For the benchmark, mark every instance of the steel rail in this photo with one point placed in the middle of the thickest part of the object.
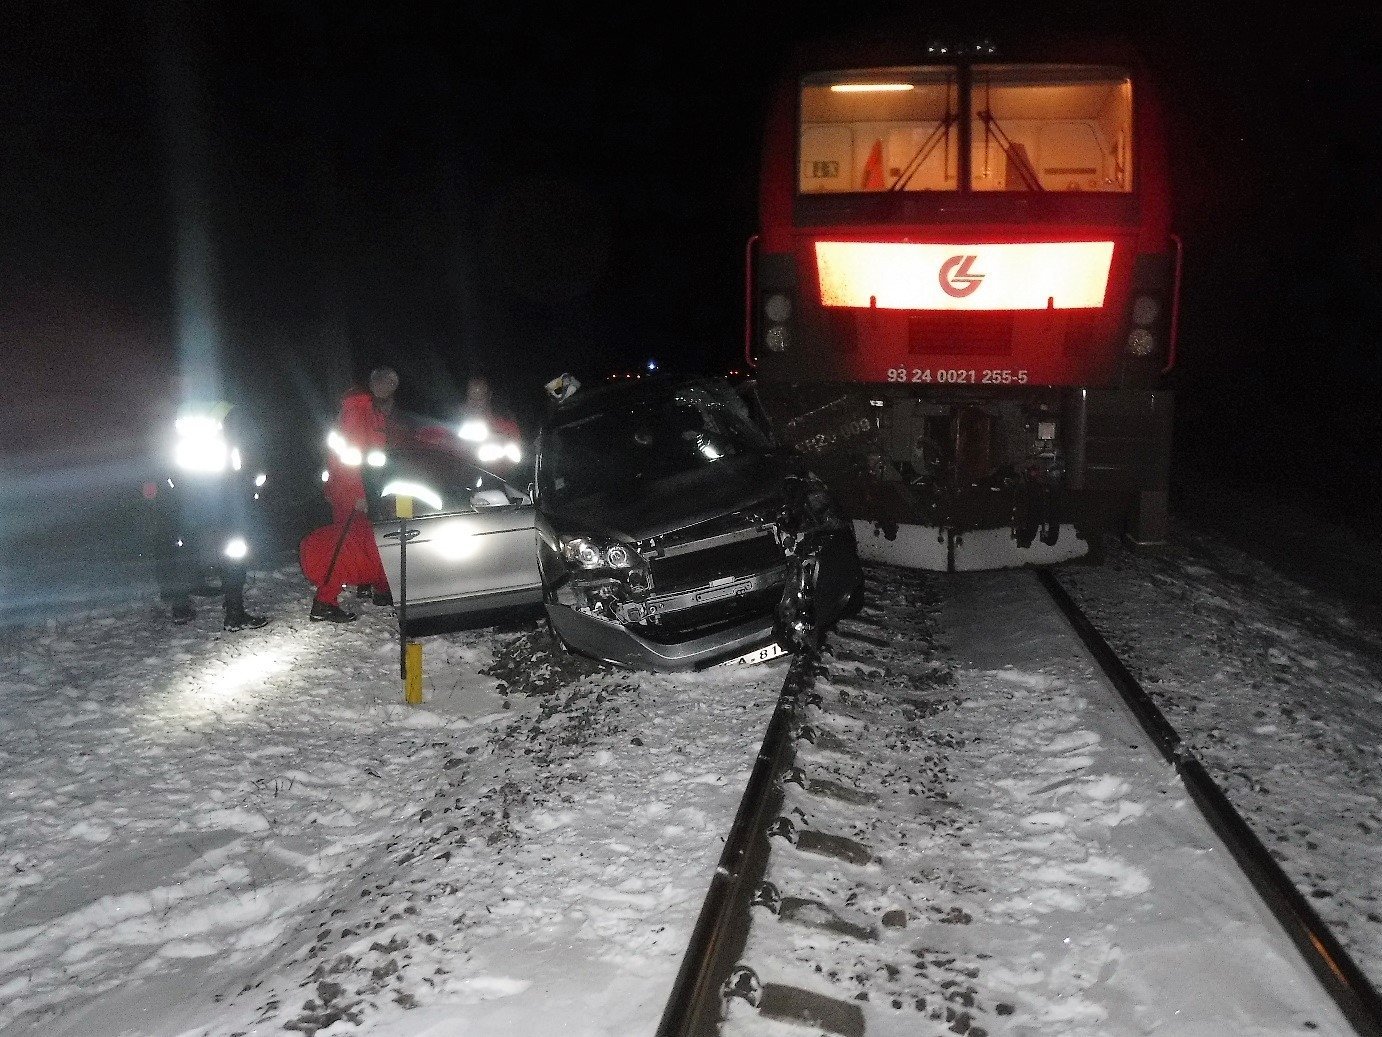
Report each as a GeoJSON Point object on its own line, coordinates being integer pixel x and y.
{"type": "Point", "coordinates": [693, 1008]}
{"type": "Point", "coordinates": [1332, 965]}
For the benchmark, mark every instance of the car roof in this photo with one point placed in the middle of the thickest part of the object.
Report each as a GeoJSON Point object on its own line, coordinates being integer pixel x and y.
{"type": "Point", "coordinates": [586, 402]}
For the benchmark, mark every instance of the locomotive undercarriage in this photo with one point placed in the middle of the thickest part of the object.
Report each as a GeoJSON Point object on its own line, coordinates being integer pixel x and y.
{"type": "Point", "coordinates": [1050, 467]}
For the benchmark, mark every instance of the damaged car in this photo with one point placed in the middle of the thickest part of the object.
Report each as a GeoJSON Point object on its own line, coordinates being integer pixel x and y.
{"type": "Point", "coordinates": [672, 534]}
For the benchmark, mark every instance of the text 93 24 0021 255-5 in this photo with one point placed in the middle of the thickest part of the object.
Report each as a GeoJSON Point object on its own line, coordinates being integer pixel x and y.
{"type": "Point", "coordinates": [957, 376]}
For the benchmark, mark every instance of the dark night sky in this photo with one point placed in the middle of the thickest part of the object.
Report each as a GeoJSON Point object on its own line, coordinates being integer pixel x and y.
{"type": "Point", "coordinates": [550, 186]}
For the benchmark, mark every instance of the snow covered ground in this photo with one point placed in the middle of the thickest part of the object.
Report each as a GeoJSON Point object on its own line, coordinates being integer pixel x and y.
{"type": "Point", "coordinates": [207, 834]}
{"type": "Point", "coordinates": [1024, 862]}
{"type": "Point", "coordinates": [1278, 690]}
{"type": "Point", "coordinates": [215, 834]}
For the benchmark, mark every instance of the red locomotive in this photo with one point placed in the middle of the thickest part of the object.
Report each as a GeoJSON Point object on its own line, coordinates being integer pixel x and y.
{"type": "Point", "coordinates": [963, 297]}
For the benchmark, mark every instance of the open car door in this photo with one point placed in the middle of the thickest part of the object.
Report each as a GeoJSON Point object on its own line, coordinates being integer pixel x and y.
{"type": "Point", "coordinates": [472, 545]}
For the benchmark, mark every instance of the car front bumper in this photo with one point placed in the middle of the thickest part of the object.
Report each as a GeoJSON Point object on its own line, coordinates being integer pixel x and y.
{"type": "Point", "coordinates": [616, 643]}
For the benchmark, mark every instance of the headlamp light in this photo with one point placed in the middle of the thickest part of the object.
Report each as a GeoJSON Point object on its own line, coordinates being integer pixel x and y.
{"type": "Point", "coordinates": [200, 446]}
{"type": "Point", "coordinates": [489, 452]}
{"type": "Point", "coordinates": [474, 431]}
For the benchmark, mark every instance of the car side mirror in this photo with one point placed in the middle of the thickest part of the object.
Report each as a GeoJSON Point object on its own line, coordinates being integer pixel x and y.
{"type": "Point", "coordinates": [489, 499]}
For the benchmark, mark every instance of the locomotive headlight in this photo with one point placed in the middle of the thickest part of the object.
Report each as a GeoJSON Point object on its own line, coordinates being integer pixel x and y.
{"type": "Point", "coordinates": [236, 548]}
{"type": "Point", "coordinates": [1145, 310]}
{"type": "Point", "coordinates": [777, 338]}
{"type": "Point", "coordinates": [1141, 342]}
{"type": "Point", "coordinates": [778, 308]}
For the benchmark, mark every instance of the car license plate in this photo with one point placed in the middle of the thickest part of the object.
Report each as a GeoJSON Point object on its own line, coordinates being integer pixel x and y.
{"type": "Point", "coordinates": [758, 655]}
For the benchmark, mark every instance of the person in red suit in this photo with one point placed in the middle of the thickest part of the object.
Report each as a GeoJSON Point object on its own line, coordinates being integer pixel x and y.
{"type": "Point", "coordinates": [359, 442]}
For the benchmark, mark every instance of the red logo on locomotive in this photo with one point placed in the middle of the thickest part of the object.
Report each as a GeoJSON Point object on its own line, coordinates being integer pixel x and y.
{"type": "Point", "coordinates": [959, 284]}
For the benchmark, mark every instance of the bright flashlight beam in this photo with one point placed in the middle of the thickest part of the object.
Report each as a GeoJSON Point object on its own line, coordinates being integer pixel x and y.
{"type": "Point", "coordinates": [188, 155]}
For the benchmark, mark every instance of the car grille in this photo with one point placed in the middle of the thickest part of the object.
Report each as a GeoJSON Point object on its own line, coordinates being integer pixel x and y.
{"type": "Point", "coordinates": [697, 568]}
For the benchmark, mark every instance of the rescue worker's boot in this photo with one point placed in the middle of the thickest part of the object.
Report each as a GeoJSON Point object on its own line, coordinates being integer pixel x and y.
{"type": "Point", "coordinates": [322, 612]}
{"type": "Point", "coordinates": [181, 612]}
{"type": "Point", "coordinates": [239, 619]}
{"type": "Point", "coordinates": [383, 598]}
{"type": "Point", "coordinates": [236, 616]}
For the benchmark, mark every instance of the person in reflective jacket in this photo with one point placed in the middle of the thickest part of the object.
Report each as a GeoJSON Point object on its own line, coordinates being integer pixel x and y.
{"type": "Point", "coordinates": [358, 448]}
{"type": "Point", "coordinates": [488, 436]}
{"type": "Point", "coordinates": [199, 500]}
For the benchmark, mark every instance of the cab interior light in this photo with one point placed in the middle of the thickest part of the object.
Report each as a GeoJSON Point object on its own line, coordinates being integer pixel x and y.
{"type": "Point", "coordinates": [870, 88]}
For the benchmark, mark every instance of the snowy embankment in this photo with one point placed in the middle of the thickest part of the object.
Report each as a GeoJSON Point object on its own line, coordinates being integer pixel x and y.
{"type": "Point", "coordinates": [1279, 692]}
{"type": "Point", "coordinates": [213, 834]}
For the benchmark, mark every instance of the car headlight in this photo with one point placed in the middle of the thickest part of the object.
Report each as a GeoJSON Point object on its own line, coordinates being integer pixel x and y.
{"type": "Point", "coordinates": [588, 552]}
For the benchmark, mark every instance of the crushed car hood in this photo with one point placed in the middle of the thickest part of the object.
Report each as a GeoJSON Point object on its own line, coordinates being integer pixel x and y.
{"type": "Point", "coordinates": [680, 501]}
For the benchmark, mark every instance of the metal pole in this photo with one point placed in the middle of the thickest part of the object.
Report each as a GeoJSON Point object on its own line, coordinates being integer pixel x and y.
{"type": "Point", "coordinates": [403, 598]}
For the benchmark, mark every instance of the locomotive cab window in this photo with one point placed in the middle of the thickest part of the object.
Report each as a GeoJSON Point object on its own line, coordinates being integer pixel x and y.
{"type": "Point", "coordinates": [1050, 128]}
{"type": "Point", "coordinates": [1062, 128]}
{"type": "Point", "coordinates": [880, 130]}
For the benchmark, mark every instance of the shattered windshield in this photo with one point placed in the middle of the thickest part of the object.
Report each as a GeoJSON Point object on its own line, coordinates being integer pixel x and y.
{"type": "Point", "coordinates": [638, 440]}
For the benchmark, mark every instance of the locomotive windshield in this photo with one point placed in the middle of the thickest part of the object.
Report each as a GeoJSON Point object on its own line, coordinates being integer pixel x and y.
{"type": "Point", "coordinates": [1065, 128]}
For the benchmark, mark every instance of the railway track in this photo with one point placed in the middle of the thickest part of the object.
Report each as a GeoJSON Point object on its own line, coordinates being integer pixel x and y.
{"type": "Point", "coordinates": [935, 839]}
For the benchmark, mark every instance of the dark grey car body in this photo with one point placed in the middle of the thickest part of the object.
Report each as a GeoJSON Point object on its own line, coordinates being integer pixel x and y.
{"type": "Point", "coordinates": [726, 543]}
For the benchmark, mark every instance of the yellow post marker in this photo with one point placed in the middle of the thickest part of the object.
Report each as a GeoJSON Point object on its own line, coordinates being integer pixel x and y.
{"type": "Point", "coordinates": [412, 679]}
{"type": "Point", "coordinates": [409, 652]}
